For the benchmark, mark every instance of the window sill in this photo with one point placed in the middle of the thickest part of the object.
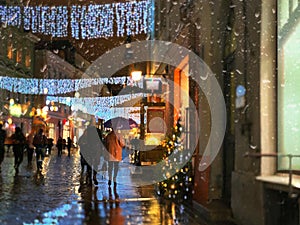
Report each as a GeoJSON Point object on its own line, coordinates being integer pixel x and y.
{"type": "Point", "coordinates": [280, 180]}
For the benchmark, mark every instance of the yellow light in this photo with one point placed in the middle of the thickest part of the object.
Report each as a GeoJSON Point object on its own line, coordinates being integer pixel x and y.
{"type": "Point", "coordinates": [15, 110]}
{"type": "Point", "coordinates": [11, 101]}
{"type": "Point", "coordinates": [136, 75]}
{"type": "Point", "coordinates": [172, 186]}
{"type": "Point", "coordinates": [9, 121]}
{"type": "Point", "coordinates": [77, 94]}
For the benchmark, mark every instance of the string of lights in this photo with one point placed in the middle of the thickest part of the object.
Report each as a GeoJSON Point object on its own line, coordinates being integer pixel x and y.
{"type": "Point", "coordinates": [36, 86]}
{"type": "Point", "coordinates": [94, 105]}
{"type": "Point", "coordinates": [86, 21]}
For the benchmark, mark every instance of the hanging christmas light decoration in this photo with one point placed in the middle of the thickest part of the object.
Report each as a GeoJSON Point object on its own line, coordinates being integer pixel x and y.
{"type": "Point", "coordinates": [102, 107]}
{"type": "Point", "coordinates": [57, 86]}
{"type": "Point", "coordinates": [87, 22]}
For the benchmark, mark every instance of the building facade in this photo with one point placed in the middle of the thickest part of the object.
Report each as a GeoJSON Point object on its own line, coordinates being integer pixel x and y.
{"type": "Point", "coordinates": [251, 47]}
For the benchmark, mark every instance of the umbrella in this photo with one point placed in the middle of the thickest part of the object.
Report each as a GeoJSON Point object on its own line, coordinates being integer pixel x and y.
{"type": "Point", "coordinates": [120, 123]}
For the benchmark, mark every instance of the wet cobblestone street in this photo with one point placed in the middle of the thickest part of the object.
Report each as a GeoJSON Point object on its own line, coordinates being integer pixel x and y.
{"type": "Point", "coordinates": [62, 196]}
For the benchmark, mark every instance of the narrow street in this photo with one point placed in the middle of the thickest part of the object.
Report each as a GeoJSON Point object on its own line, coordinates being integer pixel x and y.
{"type": "Point", "coordinates": [62, 196]}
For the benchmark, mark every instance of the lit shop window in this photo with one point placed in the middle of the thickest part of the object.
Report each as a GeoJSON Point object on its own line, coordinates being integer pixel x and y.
{"type": "Point", "coordinates": [288, 84]}
{"type": "Point", "coordinates": [19, 56]}
{"type": "Point", "coordinates": [9, 50]}
{"type": "Point", "coordinates": [27, 59]}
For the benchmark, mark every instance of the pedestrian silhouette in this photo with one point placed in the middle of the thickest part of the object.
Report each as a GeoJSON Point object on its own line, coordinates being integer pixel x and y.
{"type": "Point", "coordinates": [114, 144]}
{"type": "Point", "coordinates": [19, 141]}
{"type": "Point", "coordinates": [40, 143]}
{"type": "Point", "coordinates": [69, 145]}
{"type": "Point", "coordinates": [59, 145]}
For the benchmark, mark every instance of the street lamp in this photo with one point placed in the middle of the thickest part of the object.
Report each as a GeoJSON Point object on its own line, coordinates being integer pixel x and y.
{"type": "Point", "coordinates": [136, 76]}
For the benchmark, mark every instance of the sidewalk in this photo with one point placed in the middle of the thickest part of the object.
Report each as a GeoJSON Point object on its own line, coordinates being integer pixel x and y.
{"type": "Point", "coordinates": [61, 196]}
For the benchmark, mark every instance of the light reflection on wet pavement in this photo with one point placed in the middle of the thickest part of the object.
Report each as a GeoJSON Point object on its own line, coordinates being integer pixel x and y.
{"type": "Point", "coordinates": [62, 196]}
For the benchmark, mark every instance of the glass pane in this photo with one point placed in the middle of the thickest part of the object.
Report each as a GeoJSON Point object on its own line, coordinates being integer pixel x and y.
{"type": "Point", "coordinates": [289, 100]}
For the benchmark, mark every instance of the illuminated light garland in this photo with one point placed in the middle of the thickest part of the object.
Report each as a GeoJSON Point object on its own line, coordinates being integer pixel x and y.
{"type": "Point", "coordinates": [86, 22]}
{"type": "Point", "coordinates": [94, 105]}
{"type": "Point", "coordinates": [58, 86]}
{"type": "Point", "coordinates": [10, 15]}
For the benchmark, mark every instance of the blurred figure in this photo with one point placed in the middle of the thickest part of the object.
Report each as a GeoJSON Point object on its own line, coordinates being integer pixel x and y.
{"type": "Point", "coordinates": [82, 142]}
{"type": "Point", "coordinates": [114, 143]}
{"type": "Point", "coordinates": [50, 144]}
{"type": "Point", "coordinates": [59, 145]}
{"type": "Point", "coordinates": [135, 144]}
{"type": "Point", "coordinates": [30, 148]}
{"type": "Point", "coordinates": [90, 153]}
{"type": "Point", "coordinates": [69, 145]}
{"type": "Point", "coordinates": [40, 142]}
{"type": "Point", "coordinates": [19, 141]}
{"type": "Point", "coordinates": [2, 142]}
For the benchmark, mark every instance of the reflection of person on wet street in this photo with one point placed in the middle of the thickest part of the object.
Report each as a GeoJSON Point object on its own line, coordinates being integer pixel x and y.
{"type": "Point", "coordinates": [19, 141]}
{"type": "Point", "coordinates": [40, 142]}
{"type": "Point", "coordinates": [90, 203]}
{"type": "Point", "coordinates": [2, 140]}
{"type": "Point", "coordinates": [114, 144]}
{"type": "Point", "coordinates": [115, 213]}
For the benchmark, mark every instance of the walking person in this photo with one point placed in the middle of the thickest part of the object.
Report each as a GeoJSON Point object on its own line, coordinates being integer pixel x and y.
{"type": "Point", "coordinates": [30, 148]}
{"type": "Point", "coordinates": [2, 141]}
{"type": "Point", "coordinates": [40, 143]}
{"type": "Point", "coordinates": [69, 145]}
{"type": "Point", "coordinates": [82, 142]}
{"type": "Point", "coordinates": [59, 145]}
{"type": "Point", "coordinates": [19, 141]}
{"type": "Point", "coordinates": [114, 144]}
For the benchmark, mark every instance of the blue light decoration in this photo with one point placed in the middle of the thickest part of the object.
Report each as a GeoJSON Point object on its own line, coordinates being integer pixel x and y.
{"type": "Point", "coordinates": [94, 105]}
{"type": "Point", "coordinates": [10, 15]}
{"type": "Point", "coordinates": [240, 91]}
{"type": "Point", "coordinates": [92, 21]}
{"type": "Point", "coordinates": [86, 22]}
{"type": "Point", "coordinates": [57, 86]}
{"type": "Point", "coordinates": [46, 20]}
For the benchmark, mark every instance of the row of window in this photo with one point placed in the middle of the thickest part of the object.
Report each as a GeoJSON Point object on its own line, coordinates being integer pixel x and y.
{"type": "Point", "coordinates": [15, 47]}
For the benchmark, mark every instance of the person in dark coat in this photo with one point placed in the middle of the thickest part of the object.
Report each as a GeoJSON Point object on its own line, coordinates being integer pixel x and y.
{"type": "Point", "coordinates": [59, 145]}
{"type": "Point", "coordinates": [19, 141]}
{"type": "Point", "coordinates": [40, 142]}
{"type": "Point", "coordinates": [69, 145]}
